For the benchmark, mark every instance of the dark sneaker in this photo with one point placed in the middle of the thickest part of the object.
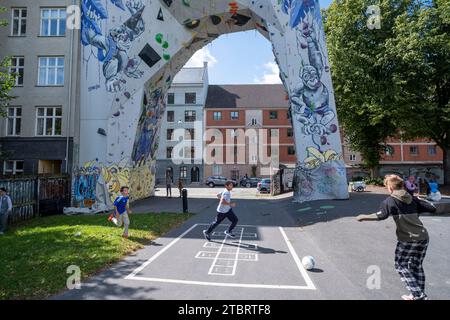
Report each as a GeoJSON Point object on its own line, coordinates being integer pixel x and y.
{"type": "Point", "coordinates": [228, 234]}
{"type": "Point", "coordinates": [206, 235]}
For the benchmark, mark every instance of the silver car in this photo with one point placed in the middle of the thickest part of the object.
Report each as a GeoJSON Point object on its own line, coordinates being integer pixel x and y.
{"type": "Point", "coordinates": [213, 181]}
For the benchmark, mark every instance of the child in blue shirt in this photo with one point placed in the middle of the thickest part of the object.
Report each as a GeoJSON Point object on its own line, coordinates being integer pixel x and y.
{"type": "Point", "coordinates": [121, 211]}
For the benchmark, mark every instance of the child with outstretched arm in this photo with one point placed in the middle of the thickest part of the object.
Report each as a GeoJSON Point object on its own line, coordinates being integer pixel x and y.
{"type": "Point", "coordinates": [412, 236]}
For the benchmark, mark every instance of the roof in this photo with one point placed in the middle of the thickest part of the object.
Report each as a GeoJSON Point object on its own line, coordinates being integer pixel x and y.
{"type": "Point", "coordinates": [189, 75]}
{"type": "Point", "coordinates": [247, 96]}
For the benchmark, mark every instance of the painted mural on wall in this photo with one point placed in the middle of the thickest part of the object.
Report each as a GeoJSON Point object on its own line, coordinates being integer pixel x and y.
{"type": "Point", "coordinates": [132, 49]}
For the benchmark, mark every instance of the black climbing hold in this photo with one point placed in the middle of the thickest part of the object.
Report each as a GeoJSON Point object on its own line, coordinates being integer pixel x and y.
{"type": "Point", "coordinates": [216, 20]}
{"type": "Point", "coordinates": [149, 55]}
{"type": "Point", "coordinates": [101, 131]}
{"type": "Point", "coordinates": [160, 15]}
{"type": "Point", "coordinates": [168, 2]}
{"type": "Point", "coordinates": [240, 20]}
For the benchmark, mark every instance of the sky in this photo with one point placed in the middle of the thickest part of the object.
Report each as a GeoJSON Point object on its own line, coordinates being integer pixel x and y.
{"type": "Point", "coordinates": [240, 58]}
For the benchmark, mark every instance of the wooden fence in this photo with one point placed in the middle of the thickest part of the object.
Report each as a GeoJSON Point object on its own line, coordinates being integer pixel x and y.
{"type": "Point", "coordinates": [37, 196]}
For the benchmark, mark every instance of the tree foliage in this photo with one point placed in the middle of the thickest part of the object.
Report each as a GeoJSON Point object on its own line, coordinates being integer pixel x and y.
{"type": "Point", "coordinates": [392, 80]}
{"type": "Point", "coordinates": [6, 79]}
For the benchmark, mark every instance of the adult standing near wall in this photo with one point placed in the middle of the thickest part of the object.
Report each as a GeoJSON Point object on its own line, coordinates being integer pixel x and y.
{"type": "Point", "coordinates": [180, 186]}
{"type": "Point", "coordinates": [168, 185]}
{"type": "Point", "coordinates": [5, 209]}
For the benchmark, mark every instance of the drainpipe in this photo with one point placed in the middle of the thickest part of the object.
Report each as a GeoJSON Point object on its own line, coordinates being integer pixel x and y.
{"type": "Point", "coordinates": [70, 94]}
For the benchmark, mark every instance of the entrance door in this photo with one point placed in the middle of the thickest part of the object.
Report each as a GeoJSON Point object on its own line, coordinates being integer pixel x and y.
{"type": "Point", "coordinates": [195, 174]}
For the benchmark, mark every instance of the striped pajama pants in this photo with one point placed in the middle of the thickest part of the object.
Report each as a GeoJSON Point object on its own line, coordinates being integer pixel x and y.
{"type": "Point", "coordinates": [409, 257]}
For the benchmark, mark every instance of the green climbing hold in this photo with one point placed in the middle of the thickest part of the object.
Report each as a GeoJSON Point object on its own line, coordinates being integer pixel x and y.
{"type": "Point", "coordinates": [165, 45]}
{"type": "Point", "coordinates": [187, 3]}
{"type": "Point", "coordinates": [304, 209]}
{"type": "Point", "coordinates": [159, 37]}
{"type": "Point", "coordinates": [327, 207]}
{"type": "Point", "coordinates": [166, 56]}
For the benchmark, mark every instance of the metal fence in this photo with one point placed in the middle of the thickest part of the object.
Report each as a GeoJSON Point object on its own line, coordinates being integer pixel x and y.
{"type": "Point", "coordinates": [37, 196]}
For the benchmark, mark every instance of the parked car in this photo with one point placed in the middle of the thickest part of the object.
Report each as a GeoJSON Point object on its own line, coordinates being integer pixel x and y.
{"type": "Point", "coordinates": [358, 186]}
{"type": "Point", "coordinates": [249, 182]}
{"type": "Point", "coordinates": [213, 181]}
{"type": "Point", "coordinates": [264, 185]}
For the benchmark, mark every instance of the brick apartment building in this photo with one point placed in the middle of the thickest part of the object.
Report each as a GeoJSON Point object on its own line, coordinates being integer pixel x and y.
{"type": "Point", "coordinates": [421, 158]}
{"type": "Point", "coordinates": [247, 116]}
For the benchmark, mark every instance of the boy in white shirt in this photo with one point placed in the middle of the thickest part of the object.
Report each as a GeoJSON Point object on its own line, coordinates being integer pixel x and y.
{"type": "Point", "coordinates": [224, 210]}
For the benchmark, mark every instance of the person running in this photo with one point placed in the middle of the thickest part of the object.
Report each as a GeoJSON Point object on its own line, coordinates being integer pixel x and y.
{"type": "Point", "coordinates": [168, 186]}
{"type": "Point", "coordinates": [224, 210]}
{"type": "Point", "coordinates": [121, 211]}
{"type": "Point", "coordinates": [5, 209]}
{"type": "Point", "coordinates": [412, 236]}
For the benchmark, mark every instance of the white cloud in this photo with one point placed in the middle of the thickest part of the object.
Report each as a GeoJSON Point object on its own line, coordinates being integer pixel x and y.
{"type": "Point", "coordinates": [271, 74]}
{"type": "Point", "coordinates": [201, 55]}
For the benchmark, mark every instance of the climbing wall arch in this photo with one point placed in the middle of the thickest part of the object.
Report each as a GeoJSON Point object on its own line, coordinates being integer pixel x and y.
{"type": "Point", "coordinates": [131, 51]}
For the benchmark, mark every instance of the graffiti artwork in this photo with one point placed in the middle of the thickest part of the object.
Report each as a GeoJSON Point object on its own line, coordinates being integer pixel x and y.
{"type": "Point", "coordinates": [113, 47]}
{"type": "Point", "coordinates": [139, 46]}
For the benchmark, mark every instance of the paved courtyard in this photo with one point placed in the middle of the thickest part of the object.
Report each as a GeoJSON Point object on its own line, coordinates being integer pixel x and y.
{"type": "Point", "coordinates": [263, 261]}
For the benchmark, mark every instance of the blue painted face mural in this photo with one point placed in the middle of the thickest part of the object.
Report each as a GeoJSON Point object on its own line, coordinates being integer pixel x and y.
{"type": "Point", "coordinates": [112, 49]}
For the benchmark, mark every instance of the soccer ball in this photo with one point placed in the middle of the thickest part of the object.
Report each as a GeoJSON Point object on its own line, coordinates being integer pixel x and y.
{"type": "Point", "coordinates": [308, 262]}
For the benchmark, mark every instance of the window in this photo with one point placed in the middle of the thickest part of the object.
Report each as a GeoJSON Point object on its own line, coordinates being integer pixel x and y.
{"type": "Point", "coordinates": [183, 172]}
{"type": "Point", "coordinates": [189, 134]}
{"type": "Point", "coordinates": [53, 22]}
{"type": "Point", "coordinates": [273, 132]}
{"type": "Point", "coordinates": [170, 116]}
{"type": "Point", "coordinates": [190, 98]}
{"type": "Point", "coordinates": [51, 71]}
{"type": "Point", "coordinates": [254, 122]}
{"type": "Point", "coordinates": [14, 122]}
{"type": "Point", "coordinates": [16, 69]}
{"type": "Point", "coordinates": [217, 115]}
{"type": "Point", "coordinates": [352, 157]}
{"type": "Point", "coordinates": [288, 114]}
{"type": "Point", "coordinates": [171, 98]}
{"type": "Point", "coordinates": [234, 115]}
{"type": "Point", "coordinates": [189, 116]}
{"type": "Point", "coordinates": [13, 167]}
{"type": "Point", "coordinates": [273, 115]}
{"type": "Point", "coordinates": [432, 150]}
{"type": "Point", "coordinates": [291, 150]}
{"type": "Point", "coordinates": [169, 151]}
{"type": "Point", "coordinates": [189, 152]}
{"type": "Point", "coordinates": [48, 121]}
{"type": "Point", "coordinates": [217, 170]}
{"type": "Point", "coordinates": [413, 150]}
{"type": "Point", "coordinates": [19, 22]}
{"type": "Point", "coordinates": [290, 132]}
{"type": "Point", "coordinates": [169, 134]}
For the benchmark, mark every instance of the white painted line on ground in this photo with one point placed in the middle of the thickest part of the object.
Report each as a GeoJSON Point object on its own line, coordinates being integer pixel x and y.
{"type": "Point", "coordinates": [222, 284]}
{"type": "Point", "coordinates": [213, 245]}
{"type": "Point", "coordinates": [237, 252]}
{"type": "Point", "coordinates": [244, 235]}
{"type": "Point", "coordinates": [242, 256]}
{"type": "Point", "coordinates": [139, 269]}
{"type": "Point", "coordinates": [299, 264]}
{"type": "Point", "coordinates": [217, 256]}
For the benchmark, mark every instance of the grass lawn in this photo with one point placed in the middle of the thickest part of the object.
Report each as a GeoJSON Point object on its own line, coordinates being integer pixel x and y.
{"type": "Point", "coordinates": [34, 255]}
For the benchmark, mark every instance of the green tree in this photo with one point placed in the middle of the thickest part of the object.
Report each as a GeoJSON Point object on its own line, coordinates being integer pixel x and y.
{"type": "Point", "coordinates": [421, 51]}
{"type": "Point", "coordinates": [362, 80]}
{"type": "Point", "coordinates": [6, 79]}
{"type": "Point", "coordinates": [394, 79]}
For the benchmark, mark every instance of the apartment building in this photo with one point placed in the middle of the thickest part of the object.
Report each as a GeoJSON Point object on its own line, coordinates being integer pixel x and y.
{"type": "Point", "coordinates": [247, 127]}
{"type": "Point", "coordinates": [180, 147]}
{"type": "Point", "coordinates": [421, 158]}
{"type": "Point", "coordinates": [37, 135]}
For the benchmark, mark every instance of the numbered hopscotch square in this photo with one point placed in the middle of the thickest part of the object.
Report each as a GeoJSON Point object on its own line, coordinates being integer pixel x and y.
{"type": "Point", "coordinates": [222, 271]}
{"type": "Point", "coordinates": [224, 263]}
{"type": "Point", "coordinates": [245, 235]}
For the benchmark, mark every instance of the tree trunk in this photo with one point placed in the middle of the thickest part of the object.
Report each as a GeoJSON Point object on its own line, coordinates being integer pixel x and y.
{"type": "Point", "coordinates": [446, 165]}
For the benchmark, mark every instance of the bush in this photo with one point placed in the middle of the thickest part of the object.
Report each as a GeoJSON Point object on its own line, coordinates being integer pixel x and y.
{"type": "Point", "coordinates": [377, 181]}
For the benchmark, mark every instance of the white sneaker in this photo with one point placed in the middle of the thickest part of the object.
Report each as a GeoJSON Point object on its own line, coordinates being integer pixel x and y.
{"type": "Point", "coordinates": [229, 234]}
